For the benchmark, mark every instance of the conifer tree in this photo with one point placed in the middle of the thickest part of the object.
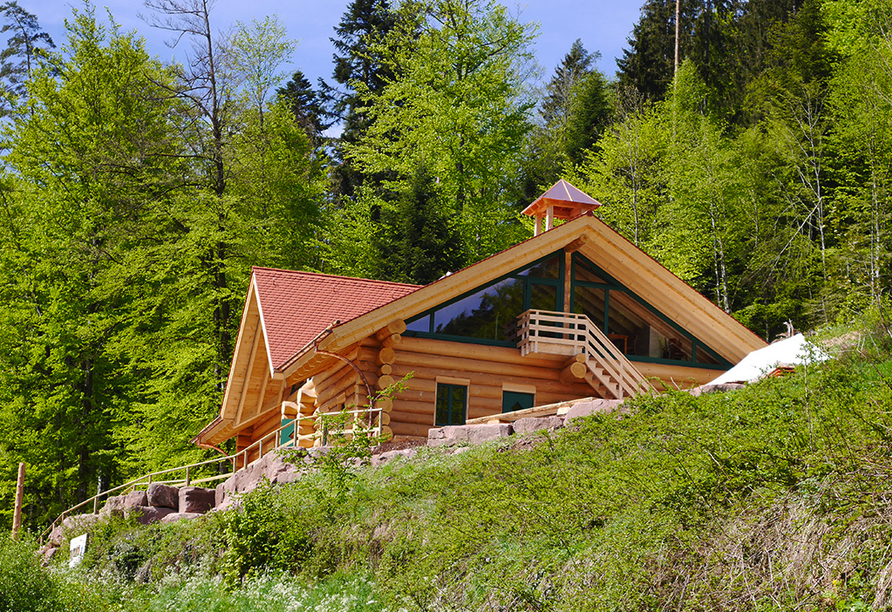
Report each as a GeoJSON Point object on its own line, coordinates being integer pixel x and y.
{"type": "Point", "coordinates": [25, 46]}
{"type": "Point", "coordinates": [359, 63]}
{"type": "Point", "coordinates": [306, 105]}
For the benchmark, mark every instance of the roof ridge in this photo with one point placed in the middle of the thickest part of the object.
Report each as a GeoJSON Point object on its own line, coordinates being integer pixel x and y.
{"type": "Point", "coordinates": [340, 276]}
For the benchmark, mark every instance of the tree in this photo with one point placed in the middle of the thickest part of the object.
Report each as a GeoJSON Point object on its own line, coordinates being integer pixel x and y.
{"type": "Point", "coordinates": [559, 91]}
{"type": "Point", "coordinates": [86, 201]}
{"type": "Point", "coordinates": [590, 112]}
{"type": "Point", "coordinates": [626, 170]}
{"type": "Point", "coordinates": [792, 94]}
{"type": "Point", "coordinates": [575, 110]}
{"type": "Point", "coordinates": [306, 105]}
{"type": "Point", "coordinates": [859, 106]}
{"type": "Point", "coordinates": [257, 51]}
{"type": "Point", "coordinates": [454, 106]}
{"type": "Point", "coordinates": [202, 87]}
{"type": "Point", "coordinates": [23, 49]}
{"type": "Point", "coordinates": [417, 241]}
{"type": "Point", "coordinates": [358, 64]}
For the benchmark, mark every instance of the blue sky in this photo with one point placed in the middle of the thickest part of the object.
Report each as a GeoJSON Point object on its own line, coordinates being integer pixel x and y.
{"type": "Point", "coordinates": [603, 25]}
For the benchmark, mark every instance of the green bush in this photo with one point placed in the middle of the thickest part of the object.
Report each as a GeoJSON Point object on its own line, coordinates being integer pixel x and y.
{"type": "Point", "coordinates": [26, 586]}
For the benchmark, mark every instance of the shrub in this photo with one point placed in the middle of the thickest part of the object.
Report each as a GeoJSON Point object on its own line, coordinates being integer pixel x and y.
{"type": "Point", "coordinates": [26, 586]}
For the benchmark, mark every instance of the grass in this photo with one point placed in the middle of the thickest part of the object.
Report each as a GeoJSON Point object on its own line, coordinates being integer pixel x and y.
{"type": "Point", "coordinates": [772, 497]}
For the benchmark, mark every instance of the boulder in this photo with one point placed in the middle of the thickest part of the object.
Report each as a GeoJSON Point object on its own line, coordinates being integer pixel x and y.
{"type": "Point", "coordinates": [80, 523]}
{"type": "Point", "coordinates": [114, 506]}
{"type": "Point", "coordinates": [533, 424]}
{"type": "Point", "coordinates": [163, 496]}
{"type": "Point", "coordinates": [71, 526]}
{"type": "Point", "coordinates": [135, 499]}
{"type": "Point", "coordinates": [316, 453]}
{"type": "Point", "coordinates": [150, 514]}
{"type": "Point", "coordinates": [385, 457]}
{"type": "Point", "coordinates": [272, 467]}
{"type": "Point", "coordinates": [56, 536]}
{"type": "Point", "coordinates": [467, 434]}
{"type": "Point", "coordinates": [584, 409]}
{"type": "Point", "coordinates": [49, 553]}
{"type": "Point", "coordinates": [196, 500]}
{"type": "Point", "coordinates": [719, 388]}
{"type": "Point", "coordinates": [179, 516]}
{"type": "Point", "coordinates": [478, 434]}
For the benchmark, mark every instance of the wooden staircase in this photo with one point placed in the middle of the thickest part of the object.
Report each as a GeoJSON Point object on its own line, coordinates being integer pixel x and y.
{"type": "Point", "coordinates": [591, 355]}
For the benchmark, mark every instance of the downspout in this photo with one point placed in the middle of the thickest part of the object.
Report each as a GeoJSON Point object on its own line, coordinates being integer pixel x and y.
{"type": "Point", "coordinates": [362, 375]}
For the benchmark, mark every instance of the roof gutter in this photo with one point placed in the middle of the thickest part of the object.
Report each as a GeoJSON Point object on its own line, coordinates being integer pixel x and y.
{"type": "Point", "coordinates": [312, 347]}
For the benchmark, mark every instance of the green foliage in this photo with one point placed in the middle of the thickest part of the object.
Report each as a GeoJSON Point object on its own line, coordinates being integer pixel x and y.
{"type": "Point", "coordinates": [264, 534]}
{"type": "Point", "coordinates": [416, 240]}
{"type": "Point", "coordinates": [454, 107]}
{"type": "Point", "coordinates": [25, 586]}
{"type": "Point", "coordinates": [273, 592]}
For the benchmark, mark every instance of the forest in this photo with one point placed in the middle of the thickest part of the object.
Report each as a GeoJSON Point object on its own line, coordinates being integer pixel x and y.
{"type": "Point", "coordinates": [136, 195]}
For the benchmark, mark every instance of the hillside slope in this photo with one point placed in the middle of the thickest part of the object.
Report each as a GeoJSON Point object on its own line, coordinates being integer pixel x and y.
{"type": "Point", "coordinates": [775, 496]}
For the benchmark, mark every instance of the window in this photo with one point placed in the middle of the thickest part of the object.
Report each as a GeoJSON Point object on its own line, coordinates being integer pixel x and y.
{"type": "Point", "coordinates": [489, 314]}
{"type": "Point", "coordinates": [288, 433]}
{"type": "Point", "coordinates": [452, 404]}
{"type": "Point", "coordinates": [635, 327]}
{"type": "Point", "coordinates": [512, 401]}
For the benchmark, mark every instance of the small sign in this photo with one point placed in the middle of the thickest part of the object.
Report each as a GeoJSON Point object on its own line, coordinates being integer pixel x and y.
{"type": "Point", "coordinates": [78, 547]}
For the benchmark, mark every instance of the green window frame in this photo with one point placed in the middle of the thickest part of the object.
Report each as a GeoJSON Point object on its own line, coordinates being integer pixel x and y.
{"type": "Point", "coordinates": [609, 285]}
{"type": "Point", "coordinates": [452, 404]}
{"type": "Point", "coordinates": [513, 401]}
{"type": "Point", "coordinates": [425, 324]}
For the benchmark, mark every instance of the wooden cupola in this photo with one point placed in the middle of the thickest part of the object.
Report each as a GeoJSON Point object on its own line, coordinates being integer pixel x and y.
{"type": "Point", "coordinates": [562, 201]}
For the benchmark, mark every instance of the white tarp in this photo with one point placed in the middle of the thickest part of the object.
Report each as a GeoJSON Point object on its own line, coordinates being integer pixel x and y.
{"type": "Point", "coordinates": [792, 351]}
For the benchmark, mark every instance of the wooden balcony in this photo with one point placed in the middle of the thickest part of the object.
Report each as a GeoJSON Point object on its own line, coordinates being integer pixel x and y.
{"type": "Point", "coordinates": [591, 354]}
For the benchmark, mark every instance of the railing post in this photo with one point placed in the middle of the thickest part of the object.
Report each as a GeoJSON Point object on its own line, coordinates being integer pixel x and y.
{"type": "Point", "coordinates": [19, 497]}
{"type": "Point", "coordinates": [261, 448]}
{"type": "Point", "coordinates": [188, 480]}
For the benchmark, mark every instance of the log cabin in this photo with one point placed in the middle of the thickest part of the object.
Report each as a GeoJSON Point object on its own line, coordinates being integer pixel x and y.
{"type": "Point", "coordinates": [575, 311]}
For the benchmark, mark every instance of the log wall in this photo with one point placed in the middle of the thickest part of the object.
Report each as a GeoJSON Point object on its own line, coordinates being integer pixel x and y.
{"type": "Point", "coordinates": [486, 368]}
{"type": "Point", "coordinates": [411, 413]}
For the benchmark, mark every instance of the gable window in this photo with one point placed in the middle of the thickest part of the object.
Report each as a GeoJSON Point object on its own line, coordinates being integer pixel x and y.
{"type": "Point", "coordinates": [489, 314]}
{"type": "Point", "coordinates": [452, 404]}
{"type": "Point", "coordinates": [635, 327]}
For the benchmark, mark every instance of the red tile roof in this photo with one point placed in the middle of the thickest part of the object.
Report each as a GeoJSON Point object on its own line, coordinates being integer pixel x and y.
{"type": "Point", "coordinates": [298, 306]}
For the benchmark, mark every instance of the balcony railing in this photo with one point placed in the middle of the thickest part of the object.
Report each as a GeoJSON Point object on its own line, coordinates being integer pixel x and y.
{"type": "Point", "coordinates": [564, 333]}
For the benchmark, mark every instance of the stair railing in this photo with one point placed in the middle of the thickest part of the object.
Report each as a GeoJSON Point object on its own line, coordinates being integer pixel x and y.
{"type": "Point", "coordinates": [564, 333]}
{"type": "Point", "coordinates": [245, 457]}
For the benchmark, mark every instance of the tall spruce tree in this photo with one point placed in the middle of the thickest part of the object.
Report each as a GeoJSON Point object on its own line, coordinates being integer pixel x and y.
{"type": "Point", "coordinates": [306, 105]}
{"type": "Point", "coordinates": [359, 64]}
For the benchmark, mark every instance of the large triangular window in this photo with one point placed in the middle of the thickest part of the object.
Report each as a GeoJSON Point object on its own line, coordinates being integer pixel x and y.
{"type": "Point", "coordinates": [489, 314]}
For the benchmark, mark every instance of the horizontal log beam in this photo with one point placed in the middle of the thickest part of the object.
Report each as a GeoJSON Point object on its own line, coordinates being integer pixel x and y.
{"type": "Point", "coordinates": [396, 327]}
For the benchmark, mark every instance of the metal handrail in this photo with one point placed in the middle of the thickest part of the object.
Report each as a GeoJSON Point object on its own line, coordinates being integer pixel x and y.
{"type": "Point", "coordinates": [244, 453]}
